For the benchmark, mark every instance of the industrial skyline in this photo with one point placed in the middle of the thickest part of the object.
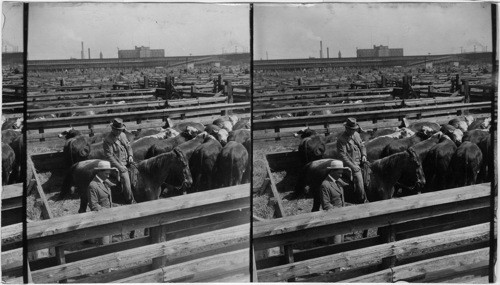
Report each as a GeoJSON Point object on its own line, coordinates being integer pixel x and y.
{"type": "Point", "coordinates": [295, 30]}
{"type": "Point", "coordinates": [56, 30]}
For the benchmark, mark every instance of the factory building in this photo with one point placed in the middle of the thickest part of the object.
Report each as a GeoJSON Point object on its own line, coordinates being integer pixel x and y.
{"type": "Point", "coordinates": [141, 52]}
{"type": "Point", "coordinates": [379, 51]}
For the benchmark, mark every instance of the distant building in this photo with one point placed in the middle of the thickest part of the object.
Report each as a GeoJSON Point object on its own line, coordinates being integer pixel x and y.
{"type": "Point", "coordinates": [141, 52]}
{"type": "Point", "coordinates": [379, 51]}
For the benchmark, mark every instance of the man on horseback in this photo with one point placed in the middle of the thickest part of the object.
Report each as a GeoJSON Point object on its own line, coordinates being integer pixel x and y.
{"type": "Point", "coordinates": [118, 151]}
{"type": "Point", "coordinates": [352, 152]}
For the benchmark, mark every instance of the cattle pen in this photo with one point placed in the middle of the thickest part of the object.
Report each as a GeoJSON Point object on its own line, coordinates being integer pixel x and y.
{"type": "Point", "coordinates": [201, 237]}
{"type": "Point", "coordinates": [434, 237]}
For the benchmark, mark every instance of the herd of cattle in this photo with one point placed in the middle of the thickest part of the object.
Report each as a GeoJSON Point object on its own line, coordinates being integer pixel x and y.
{"type": "Point", "coordinates": [183, 158]}
{"type": "Point", "coordinates": [414, 158]}
{"type": "Point", "coordinates": [12, 150]}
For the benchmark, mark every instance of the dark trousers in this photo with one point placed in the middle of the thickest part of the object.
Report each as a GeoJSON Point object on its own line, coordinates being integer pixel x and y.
{"type": "Point", "coordinates": [126, 187]}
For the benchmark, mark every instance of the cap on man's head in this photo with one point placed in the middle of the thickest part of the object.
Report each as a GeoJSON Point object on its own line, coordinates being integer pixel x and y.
{"type": "Point", "coordinates": [118, 124]}
{"type": "Point", "coordinates": [336, 164]}
{"type": "Point", "coordinates": [103, 165]}
{"type": "Point", "coordinates": [351, 124]}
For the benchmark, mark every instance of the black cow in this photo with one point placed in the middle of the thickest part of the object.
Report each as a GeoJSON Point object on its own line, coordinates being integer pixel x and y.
{"type": "Point", "coordinates": [231, 164]}
{"type": "Point", "coordinates": [465, 165]}
{"type": "Point", "coordinates": [76, 148]}
{"type": "Point", "coordinates": [436, 165]}
{"type": "Point", "coordinates": [203, 164]}
{"type": "Point", "coordinates": [8, 160]}
{"type": "Point", "coordinates": [312, 145]}
{"type": "Point", "coordinates": [483, 140]}
{"type": "Point", "coordinates": [242, 136]}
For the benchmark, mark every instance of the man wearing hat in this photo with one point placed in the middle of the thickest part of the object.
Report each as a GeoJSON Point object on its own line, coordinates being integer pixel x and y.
{"type": "Point", "coordinates": [119, 153]}
{"type": "Point", "coordinates": [352, 152]}
{"type": "Point", "coordinates": [98, 192]}
{"type": "Point", "coordinates": [332, 190]}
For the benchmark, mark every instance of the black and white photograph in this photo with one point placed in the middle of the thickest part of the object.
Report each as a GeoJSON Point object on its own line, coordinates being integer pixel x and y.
{"type": "Point", "coordinates": [138, 142]}
{"type": "Point", "coordinates": [372, 142]}
{"type": "Point", "coordinates": [12, 142]}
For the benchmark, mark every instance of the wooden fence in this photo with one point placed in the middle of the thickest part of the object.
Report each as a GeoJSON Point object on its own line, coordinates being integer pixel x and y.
{"type": "Point", "coordinates": [12, 218]}
{"type": "Point", "coordinates": [434, 236]}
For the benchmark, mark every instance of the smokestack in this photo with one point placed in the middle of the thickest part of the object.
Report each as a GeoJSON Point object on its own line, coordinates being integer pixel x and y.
{"type": "Point", "coordinates": [83, 56]}
{"type": "Point", "coordinates": [320, 49]}
{"type": "Point", "coordinates": [327, 52]}
{"type": "Point", "coordinates": [89, 53]}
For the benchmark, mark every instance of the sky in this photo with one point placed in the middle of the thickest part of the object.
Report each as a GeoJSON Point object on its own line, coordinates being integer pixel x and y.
{"type": "Point", "coordinates": [12, 26]}
{"type": "Point", "coordinates": [295, 31]}
{"type": "Point", "coordinates": [56, 30]}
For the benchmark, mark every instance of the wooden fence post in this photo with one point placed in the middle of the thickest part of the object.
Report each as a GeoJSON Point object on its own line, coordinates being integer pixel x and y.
{"type": "Point", "coordinates": [387, 234]}
{"type": "Point", "coordinates": [466, 94]}
{"type": "Point", "coordinates": [219, 83]}
{"type": "Point", "coordinates": [158, 234]}
{"type": "Point", "coordinates": [299, 81]}
{"type": "Point", "coordinates": [146, 82]}
{"type": "Point", "coordinates": [229, 94]}
{"type": "Point", "coordinates": [62, 82]}
{"type": "Point", "coordinates": [193, 89]}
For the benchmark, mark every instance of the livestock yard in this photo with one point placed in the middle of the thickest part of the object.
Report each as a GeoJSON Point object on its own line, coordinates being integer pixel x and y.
{"type": "Point", "coordinates": [195, 232]}
{"type": "Point", "coordinates": [12, 186]}
{"type": "Point", "coordinates": [437, 232]}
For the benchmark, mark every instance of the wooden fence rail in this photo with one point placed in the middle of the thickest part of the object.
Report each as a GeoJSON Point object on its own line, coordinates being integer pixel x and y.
{"type": "Point", "coordinates": [405, 211]}
{"type": "Point", "coordinates": [187, 229]}
{"type": "Point", "coordinates": [136, 116]}
{"type": "Point", "coordinates": [368, 115]}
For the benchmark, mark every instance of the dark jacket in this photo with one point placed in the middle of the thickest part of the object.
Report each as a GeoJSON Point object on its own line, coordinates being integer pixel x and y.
{"type": "Point", "coordinates": [99, 195]}
{"type": "Point", "coordinates": [332, 195]}
{"type": "Point", "coordinates": [351, 150]}
{"type": "Point", "coordinates": [113, 153]}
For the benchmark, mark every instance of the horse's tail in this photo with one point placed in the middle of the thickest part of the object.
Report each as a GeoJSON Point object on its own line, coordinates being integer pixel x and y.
{"type": "Point", "coordinates": [67, 183]}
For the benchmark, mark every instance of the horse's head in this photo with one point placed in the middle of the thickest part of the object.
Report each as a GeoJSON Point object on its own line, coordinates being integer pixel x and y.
{"type": "Point", "coordinates": [419, 171]}
{"type": "Point", "coordinates": [187, 179]}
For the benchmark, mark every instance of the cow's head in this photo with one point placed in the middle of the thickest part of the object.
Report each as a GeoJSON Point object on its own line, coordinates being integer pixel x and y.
{"type": "Point", "coordinates": [191, 132]}
{"type": "Point", "coordinates": [406, 133]}
{"type": "Point", "coordinates": [233, 119]}
{"type": "Point", "coordinates": [170, 133]}
{"type": "Point", "coordinates": [486, 123]}
{"type": "Point", "coordinates": [221, 135]}
{"type": "Point", "coordinates": [469, 119]}
{"type": "Point", "coordinates": [426, 131]}
{"type": "Point", "coordinates": [18, 124]}
{"type": "Point", "coordinates": [304, 133]}
{"type": "Point", "coordinates": [69, 133]}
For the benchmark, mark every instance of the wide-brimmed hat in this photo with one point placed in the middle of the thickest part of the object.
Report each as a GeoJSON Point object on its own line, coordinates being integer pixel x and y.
{"type": "Point", "coordinates": [336, 164]}
{"type": "Point", "coordinates": [117, 124]}
{"type": "Point", "coordinates": [351, 124]}
{"type": "Point", "coordinates": [103, 165]}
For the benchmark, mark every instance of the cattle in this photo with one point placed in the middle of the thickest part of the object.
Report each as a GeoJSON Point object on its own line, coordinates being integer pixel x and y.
{"type": "Point", "coordinates": [163, 146]}
{"type": "Point", "coordinates": [312, 145]}
{"type": "Point", "coordinates": [226, 122]}
{"type": "Point", "coordinates": [242, 124]}
{"type": "Point", "coordinates": [182, 126]}
{"type": "Point", "coordinates": [483, 123]}
{"type": "Point", "coordinates": [219, 133]}
{"type": "Point", "coordinates": [18, 146]}
{"type": "Point", "coordinates": [76, 148]}
{"type": "Point", "coordinates": [455, 134]}
{"type": "Point", "coordinates": [400, 145]}
{"type": "Point", "coordinates": [461, 123]}
{"type": "Point", "coordinates": [9, 135]}
{"type": "Point", "coordinates": [428, 128]}
{"type": "Point", "coordinates": [375, 147]}
{"type": "Point", "coordinates": [203, 164]}
{"type": "Point", "coordinates": [8, 160]}
{"type": "Point", "coordinates": [422, 148]}
{"type": "Point", "coordinates": [436, 164]}
{"type": "Point", "coordinates": [242, 136]}
{"type": "Point", "coordinates": [231, 164]}
{"type": "Point", "coordinates": [12, 123]}
{"type": "Point", "coordinates": [465, 165]}
{"type": "Point", "coordinates": [187, 148]}
{"type": "Point", "coordinates": [386, 172]}
{"type": "Point", "coordinates": [482, 139]}
{"type": "Point", "coordinates": [146, 177]}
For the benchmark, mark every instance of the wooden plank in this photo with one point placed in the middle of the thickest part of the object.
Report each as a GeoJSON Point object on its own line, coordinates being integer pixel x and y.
{"type": "Point", "coordinates": [46, 212]}
{"type": "Point", "coordinates": [197, 270]}
{"type": "Point", "coordinates": [173, 249]}
{"type": "Point", "coordinates": [263, 124]}
{"type": "Point", "coordinates": [418, 270]}
{"type": "Point", "coordinates": [67, 229]}
{"type": "Point", "coordinates": [121, 274]}
{"type": "Point", "coordinates": [12, 233]}
{"type": "Point", "coordinates": [94, 93]}
{"type": "Point", "coordinates": [41, 102]}
{"type": "Point", "coordinates": [12, 191]}
{"type": "Point", "coordinates": [293, 229]}
{"type": "Point", "coordinates": [104, 118]}
{"type": "Point", "coordinates": [12, 259]}
{"type": "Point", "coordinates": [357, 257]}
{"type": "Point", "coordinates": [294, 99]}
{"type": "Point", "coordinates": [153, 276]}
{"type": "Point", "coordinates": [342, 107]}
{"type": "Point", "coordinates": [323, 91]}
{"type": "Point", "coordinates": [279, 211]}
